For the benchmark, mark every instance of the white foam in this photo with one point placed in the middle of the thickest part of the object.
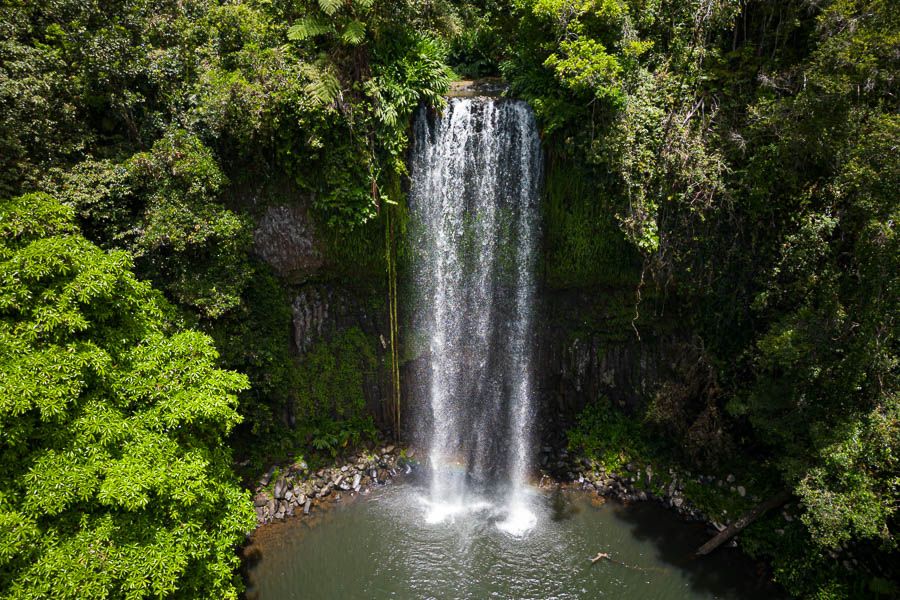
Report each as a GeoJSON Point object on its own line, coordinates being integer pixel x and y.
{"type": "Point", "coordinates": [519, 521]}
{"type": "Point", "coordinates": [441, 512]}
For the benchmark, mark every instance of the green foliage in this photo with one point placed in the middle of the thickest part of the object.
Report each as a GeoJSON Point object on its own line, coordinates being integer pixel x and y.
{"type": "Point", "coordinates": [255, 339]}
{"type": "Point", "coordinates": [188, 241]}
{"type": "Point", "coordinates": [162, 205]}
{"type": "Point", "coordinates": [585, 65]}
{"type": "Point", "coordinates": [112, 423]}
{"type": "Point", "coordinates": [853, 491]}
{"type": "Point", "coordinates": [367, 116]}
{"type": "Point", "coordinates": [331, 437]}
{"type": "Point", "coordinates": [332, 375]}
{"type": "Point", "coordinates": [583, 245]}
{"type": "Point", "coordinates": [608, 436]}
{"type": "Point", "coordinates": [478, 37]}
{"type": "Point", "coordinates": [611, 439]}
{"type": "Point", "coordinates": [747, 157]}
{"type": "Point", "coordinates": [308, 28]}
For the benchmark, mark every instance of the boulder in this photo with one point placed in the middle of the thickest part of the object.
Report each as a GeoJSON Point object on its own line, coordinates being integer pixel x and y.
{"type": "Point", "coordinates": [266, 478]}
{"type": "Point", "coordinates": [280, 488]}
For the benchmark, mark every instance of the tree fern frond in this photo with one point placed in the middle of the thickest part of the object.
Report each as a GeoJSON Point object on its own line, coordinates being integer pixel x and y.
{"type": "Point", "coordinates": [354, 33]}
{"type": "Point", "coordinates": [323, 86]}
{"type": "Point", "coordinates": [309, 27]}
{"type": "Point", "coordinates": [329, 7]}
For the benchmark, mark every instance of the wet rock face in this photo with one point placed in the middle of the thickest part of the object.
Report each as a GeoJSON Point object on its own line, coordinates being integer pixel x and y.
{"type": "Point", "coordinates": [579, 360]}
{"type": "Point", "coordinates": [486, 86]}
{"type": "Point", "coordinates": [626, 372]}
{"type": "Point", "coordinates": [286, 239]}
{"type": "Point", "coordinates": [321, 310]}
{"type": "Point", "coordinates": [322, 313]}
{"type": "Point", "coordinates": [311, 316]}
{"type": "Point", "coordinates": [572, 368]}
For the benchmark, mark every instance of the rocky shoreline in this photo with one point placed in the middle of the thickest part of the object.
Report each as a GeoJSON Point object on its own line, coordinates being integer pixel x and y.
{"type": "Point", "coordinates": [637, 483]}
{"type": "Point", "coordinates": [295, 489]}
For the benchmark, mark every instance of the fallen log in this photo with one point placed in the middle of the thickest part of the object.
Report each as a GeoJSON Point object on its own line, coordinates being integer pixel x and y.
{"type": "Point", "coordinates": [745, 519]}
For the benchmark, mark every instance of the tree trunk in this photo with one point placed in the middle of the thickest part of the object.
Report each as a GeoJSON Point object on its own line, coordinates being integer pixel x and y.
{"type": "Point", "coordinates": [748, 517]}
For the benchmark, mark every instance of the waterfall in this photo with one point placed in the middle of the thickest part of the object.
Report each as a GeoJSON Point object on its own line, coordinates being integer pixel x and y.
{"type": "Point", "coordinates": [474, 227]}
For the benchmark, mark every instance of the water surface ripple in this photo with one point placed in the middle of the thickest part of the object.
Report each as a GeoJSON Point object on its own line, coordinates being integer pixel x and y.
{"type": "Point", "coordinates": [381, 547]}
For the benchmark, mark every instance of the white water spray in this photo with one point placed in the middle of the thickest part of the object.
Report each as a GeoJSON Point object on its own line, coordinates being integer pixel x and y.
{"type": "Point", "coordinates": [474, 225]}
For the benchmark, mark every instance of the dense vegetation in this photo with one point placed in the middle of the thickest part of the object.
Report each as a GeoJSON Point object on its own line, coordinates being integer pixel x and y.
{"type": "Point", "coordinates": [748, 150]}
{"type": "Point", "coordinates": [116, 480]}
{"type": "Point", "coordinates": [731, 164]}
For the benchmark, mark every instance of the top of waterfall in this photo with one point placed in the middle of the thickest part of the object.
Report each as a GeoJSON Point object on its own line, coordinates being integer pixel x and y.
{"type": "Point", "coordinates": [469, 88]}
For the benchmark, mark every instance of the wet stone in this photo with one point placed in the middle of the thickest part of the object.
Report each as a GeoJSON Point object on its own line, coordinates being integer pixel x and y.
{"type": "Point", "coordinates": [280, 487]}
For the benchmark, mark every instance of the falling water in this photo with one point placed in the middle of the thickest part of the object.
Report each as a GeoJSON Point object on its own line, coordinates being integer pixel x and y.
{"type": "Point", "coordinates": [474, 225]}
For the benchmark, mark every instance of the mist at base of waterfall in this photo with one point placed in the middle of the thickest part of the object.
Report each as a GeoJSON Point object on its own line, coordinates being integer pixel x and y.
{"type": "Point", "coordinates": [511, 507]}
{"type": "Point", "coordinates": [384, 546]}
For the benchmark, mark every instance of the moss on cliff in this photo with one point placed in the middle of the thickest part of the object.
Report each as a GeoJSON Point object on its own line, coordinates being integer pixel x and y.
{"type": "Point", "coordinates": [584, 246]}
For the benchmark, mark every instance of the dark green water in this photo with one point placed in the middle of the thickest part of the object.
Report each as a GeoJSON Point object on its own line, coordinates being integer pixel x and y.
{"type": "Point", "coordinates": [381, 547]}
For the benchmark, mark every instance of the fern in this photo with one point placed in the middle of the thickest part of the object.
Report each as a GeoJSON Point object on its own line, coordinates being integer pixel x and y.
{"type": "Point", "coordinates": [329, 7]}
{"type": "Point", "coordinates": [323, 86]}
{"type": "Point", "coordinates": [354, 33]}
{"type": "Point", "coordinates": [325, 441]}
{"type": "Point", "coordinates": [326, 89]}
{"type": "Point", "coordinates": [309, 27]}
